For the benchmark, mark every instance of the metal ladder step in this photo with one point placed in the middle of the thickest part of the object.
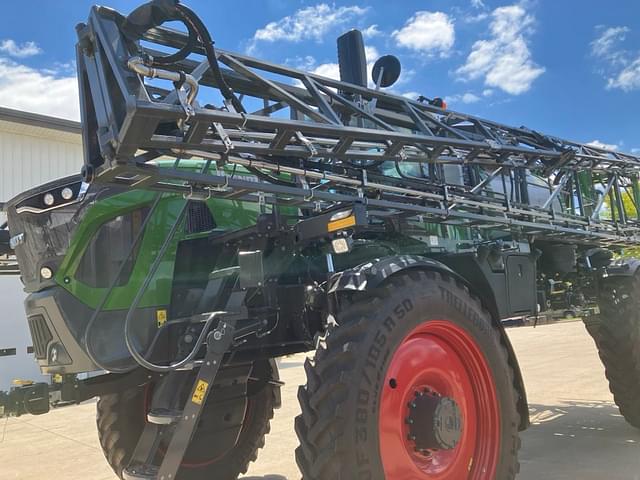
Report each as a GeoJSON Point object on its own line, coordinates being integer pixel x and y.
{"type": "Point", "coordinates": [141, 465]}
{"type": "Point", "coordinates": [164, 416]}
{"type": "Point", "coordinates": [140, 472]}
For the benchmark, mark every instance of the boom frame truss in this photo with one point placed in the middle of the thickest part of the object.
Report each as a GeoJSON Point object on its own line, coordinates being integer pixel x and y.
{"type": "Point", "coordinates": [331, 141]}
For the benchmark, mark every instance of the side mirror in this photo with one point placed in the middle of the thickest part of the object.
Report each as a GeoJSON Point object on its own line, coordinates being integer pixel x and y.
{"type": "Point", "coordinates": [386, 71]}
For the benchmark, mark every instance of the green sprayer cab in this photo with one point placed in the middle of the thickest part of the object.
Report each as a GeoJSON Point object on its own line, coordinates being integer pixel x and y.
{"type": "Point", "coordinates": [231, 211]}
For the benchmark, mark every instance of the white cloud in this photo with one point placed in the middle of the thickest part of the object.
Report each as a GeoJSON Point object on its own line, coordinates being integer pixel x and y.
{"type": "Point", "coordinates": [470, 98]}
{"type": "Point", "coordinates": [427, 32]}
{"type": "Point", "coordinates": [628, 78]}
{"type": "Point", "coordinates": [599, 144]}
{"type": "Point", "coordinates": [371, 31]}
{"type": "Point", "coordinates": [487, 92]}
{"type": "Point", "coordinates": [27, 49]}
{"type": "Point", "coordinates": [305, 63]}
{"type": "Point", "coordinates": [371, 53]}
{"type": "Point", "coordinates": [33, 90]}
{"type": "Point", "coordinates": [466, 98]}
{"type": "Point", "coordinates": [480, 17]}
{"type": "Point", "coordinates": [477, 13]}
{"type": "Point", "coordinates": [621, 67]}
{"type": "Point", "coordinates": [307, 23]}
{"type": "Point", "coordinates": [635, 150]}
{"type": "Point", "coordinates": [605, 46]}
{"type": "Point", "coordinates": [411, 95]}
{"type": "Point", "coordinates": [504, 60]}
{"type": "Point", "coordinates": [330, 70]}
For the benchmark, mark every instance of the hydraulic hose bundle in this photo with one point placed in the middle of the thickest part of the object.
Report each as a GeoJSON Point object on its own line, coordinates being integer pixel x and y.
{"type": "Point", "coordinates": [155, 13]}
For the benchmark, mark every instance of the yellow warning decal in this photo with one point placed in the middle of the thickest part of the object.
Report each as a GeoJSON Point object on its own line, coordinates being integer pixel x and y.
{"type": "Point", "coordinates": [347, 222]}
{"type": "Point", "coordinates": [200, 392]}
{"type": "Point", "coordinates": [161, 317]}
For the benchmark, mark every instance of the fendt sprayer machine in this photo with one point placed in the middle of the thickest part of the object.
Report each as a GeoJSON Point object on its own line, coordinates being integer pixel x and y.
{"type": "Point", "coordinates": [231, 211]}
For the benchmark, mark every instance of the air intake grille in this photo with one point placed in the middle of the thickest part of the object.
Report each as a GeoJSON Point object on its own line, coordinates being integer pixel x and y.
{"type": "Point", "coordinates": [199, 218]}
{"type": "Point", "coordinates": [40, 334]}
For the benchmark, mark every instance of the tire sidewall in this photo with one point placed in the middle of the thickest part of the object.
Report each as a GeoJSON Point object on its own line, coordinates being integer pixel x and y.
{"type": "Point", "coordinates": [398, 315]}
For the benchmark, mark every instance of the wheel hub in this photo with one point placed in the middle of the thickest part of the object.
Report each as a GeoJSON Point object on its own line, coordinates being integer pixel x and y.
{"type": "Point", "coordinates": [435, 422]}
{"type": "Point", "coordinates": [439, 413]}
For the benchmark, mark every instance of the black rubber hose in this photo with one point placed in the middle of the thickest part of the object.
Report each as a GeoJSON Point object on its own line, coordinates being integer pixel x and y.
{"type": "Point", "coordinates": [191, 20]}
{"type": "Point", "coordinates": [181, 54]}
{"type": "Point", "coordinates": [153, 14]}
{"type": "Point", "coordinates": [196, 29]}
{"type": "Point", "coordinates": [269, 178]}
{"type": "Point", "coordinates": [147, 16]}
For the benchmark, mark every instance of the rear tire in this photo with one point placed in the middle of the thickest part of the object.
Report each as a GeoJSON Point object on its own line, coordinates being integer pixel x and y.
{"type": "Point", "coordinates": [616, 333]}
{"type": "Point", "coordinates": [412, 337]}
{"type": "Point", "coordinates": [121, 418]}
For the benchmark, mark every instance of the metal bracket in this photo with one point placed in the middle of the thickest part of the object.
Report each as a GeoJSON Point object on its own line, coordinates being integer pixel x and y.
{"type": "Point", "coordinates": [224, 136]}
{"type": "Point", "coordinates": [218, 342]}
{"type": "Point", "coordinates": [185, 421]}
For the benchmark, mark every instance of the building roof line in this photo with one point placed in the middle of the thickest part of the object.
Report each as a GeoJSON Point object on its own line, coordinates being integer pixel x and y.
{"type": "Point", "coordinates": [37, 120]}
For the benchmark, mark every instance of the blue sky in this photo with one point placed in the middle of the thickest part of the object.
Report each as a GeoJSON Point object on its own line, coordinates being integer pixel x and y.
{"type": "Point", "coordinates": [569, 68]}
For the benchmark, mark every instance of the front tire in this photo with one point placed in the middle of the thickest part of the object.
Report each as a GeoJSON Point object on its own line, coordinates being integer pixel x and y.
{"type": "Point", "coordinates": [413, 384]}
{"type": "Point", "coordinates": [121, 418]}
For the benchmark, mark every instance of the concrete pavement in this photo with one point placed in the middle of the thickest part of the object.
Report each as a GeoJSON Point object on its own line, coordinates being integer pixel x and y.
{"type": "Point", "coordinates": [577, 431]}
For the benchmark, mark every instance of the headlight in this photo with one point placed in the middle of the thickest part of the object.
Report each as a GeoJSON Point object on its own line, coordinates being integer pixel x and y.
{"type": "Point", "coordinates": [46, 273]}
{"type": "Point", "coordinates": [341, 245]}
{"type": "Point", "coordinates": [67, 193]}
{"type": "Point", "coordinates": [55, 197]}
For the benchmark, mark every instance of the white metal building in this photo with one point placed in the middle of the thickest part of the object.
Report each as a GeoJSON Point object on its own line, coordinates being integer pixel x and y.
{"type": "Point", "coordinates": [34, 149]}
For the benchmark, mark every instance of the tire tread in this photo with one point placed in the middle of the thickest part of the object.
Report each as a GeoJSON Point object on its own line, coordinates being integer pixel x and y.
{"type": "Point", "coordinates": [329, 376]}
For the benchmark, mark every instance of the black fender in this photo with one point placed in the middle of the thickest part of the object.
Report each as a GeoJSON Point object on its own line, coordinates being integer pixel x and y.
{"type": "Point", "coordinates": [371, 275]}
{"type": "Point", "coordinates": [265, 374]}
{"type": "Point", "coordinates": [626, 267]}
{"type": "Point", "coordinates": [275, 376]}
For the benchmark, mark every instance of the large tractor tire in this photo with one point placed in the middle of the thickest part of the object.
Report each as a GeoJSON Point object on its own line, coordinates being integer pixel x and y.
{"type": "Point", "coordinates": [616, 332]}
{"type": "Point", "coordinates": [122, 416]}
{"type": "Point", "coordinates": [413, 383]}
